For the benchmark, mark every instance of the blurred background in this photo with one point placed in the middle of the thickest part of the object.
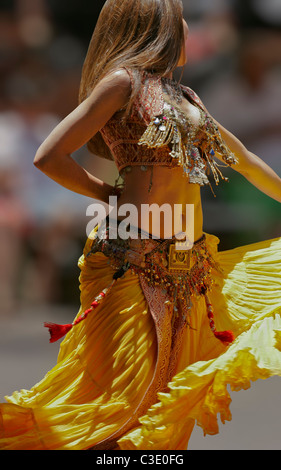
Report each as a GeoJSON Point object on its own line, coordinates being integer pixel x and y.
{"type": "Point", "coordinates": [235, 67]}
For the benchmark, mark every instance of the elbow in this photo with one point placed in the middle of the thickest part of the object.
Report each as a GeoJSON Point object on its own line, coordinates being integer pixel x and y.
{"type": "Point", "coordinates": [40, 160]}
{"type": "Point", "coordinates": [37, 162]}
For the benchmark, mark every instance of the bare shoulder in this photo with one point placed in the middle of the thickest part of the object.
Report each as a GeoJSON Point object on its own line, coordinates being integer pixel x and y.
{"type": "Point", "coordinates": [117, 82]}
{"type": "Point", "coordinates": [121, 76]}
{"type": "Point", "coordinates": [107, 97]}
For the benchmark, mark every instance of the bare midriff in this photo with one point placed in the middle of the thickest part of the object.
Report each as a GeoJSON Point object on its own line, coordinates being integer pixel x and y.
{"type": "Point", "coordinates": [180, 202]}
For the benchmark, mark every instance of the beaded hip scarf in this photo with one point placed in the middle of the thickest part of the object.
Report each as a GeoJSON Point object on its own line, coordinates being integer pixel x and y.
{"type": "Point", "coordinates": [182, 275]}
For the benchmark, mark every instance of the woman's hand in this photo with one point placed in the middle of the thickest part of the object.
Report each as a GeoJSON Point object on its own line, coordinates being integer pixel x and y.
{"type": "Point", "coordinates": [54, 155]}
{"type": "Point", "coordinates": [253, 168]}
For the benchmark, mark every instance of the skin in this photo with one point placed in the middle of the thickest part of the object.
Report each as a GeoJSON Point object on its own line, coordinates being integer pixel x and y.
{"type": "Point", "coordinates": [169, 185]}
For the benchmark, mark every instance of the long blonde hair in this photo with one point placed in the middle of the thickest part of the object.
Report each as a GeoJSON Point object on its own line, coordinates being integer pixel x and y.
{"type": "Point", "coordinates": [140, 34]}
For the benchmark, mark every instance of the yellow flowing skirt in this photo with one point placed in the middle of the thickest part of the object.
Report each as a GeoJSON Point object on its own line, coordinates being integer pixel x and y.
{"type": "Point", "coordinates": [104, 390]}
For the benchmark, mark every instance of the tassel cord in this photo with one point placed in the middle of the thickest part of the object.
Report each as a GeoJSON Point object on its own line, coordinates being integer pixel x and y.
{"type": "Point", "coordinates": [58, 331]}
{"type": "Point", "coordinates": [226, 337]}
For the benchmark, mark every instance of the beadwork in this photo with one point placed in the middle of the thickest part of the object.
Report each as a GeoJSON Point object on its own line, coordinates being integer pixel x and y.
{"type": "Point", "coordinates": [193, 146]}
{"type": "Point", "coordinates": [150, 259]}
{"type": "Point", "coordinates": [167, 134]}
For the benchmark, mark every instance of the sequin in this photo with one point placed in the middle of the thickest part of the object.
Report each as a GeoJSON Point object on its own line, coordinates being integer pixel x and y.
{"type": "Point", "coordinates": [193, 153]}
{"type": "Point", "coordinates": [159, 132]}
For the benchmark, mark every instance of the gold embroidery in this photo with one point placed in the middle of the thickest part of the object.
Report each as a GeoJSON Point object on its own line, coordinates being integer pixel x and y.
{"type": "Point", "coordinates": [167, 135]}
{"type": "Point", "coordinates": [194, 146]}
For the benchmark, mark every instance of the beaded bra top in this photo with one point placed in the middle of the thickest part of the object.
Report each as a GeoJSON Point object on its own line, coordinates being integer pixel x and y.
{"type": "Point", "coordinates": [159, 132]}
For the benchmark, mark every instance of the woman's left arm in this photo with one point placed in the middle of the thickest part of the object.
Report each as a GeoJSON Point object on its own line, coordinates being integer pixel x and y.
{"type": "Point", "coordinates": [253, 168]}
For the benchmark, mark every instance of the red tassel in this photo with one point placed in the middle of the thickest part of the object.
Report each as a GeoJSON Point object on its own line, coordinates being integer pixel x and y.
{"type": "Point", "coordinates": [57, 331]}
{"type": "Point", "coordinates": [226, 337]}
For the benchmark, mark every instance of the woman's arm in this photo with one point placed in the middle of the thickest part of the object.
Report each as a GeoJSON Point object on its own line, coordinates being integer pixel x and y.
{"type": "Point", "coordinates": [253, 168]}
{"type": "Point", "coordinates": [54, 155]}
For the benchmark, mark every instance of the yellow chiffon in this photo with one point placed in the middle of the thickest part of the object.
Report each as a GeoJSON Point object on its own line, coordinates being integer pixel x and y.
{"type": "Point", "coordinates": [102, 390]}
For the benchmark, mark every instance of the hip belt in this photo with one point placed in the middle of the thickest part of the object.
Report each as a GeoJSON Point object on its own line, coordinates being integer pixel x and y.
{"type": "Point", "coordinates": [183, 274]}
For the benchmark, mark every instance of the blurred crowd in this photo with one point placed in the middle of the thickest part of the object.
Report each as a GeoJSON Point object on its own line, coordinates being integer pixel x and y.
{"type": "Point", "coordinates": [234, 65]}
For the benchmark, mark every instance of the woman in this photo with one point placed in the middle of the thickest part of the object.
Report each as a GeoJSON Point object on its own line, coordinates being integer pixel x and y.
{"type": "Point", "coordinates": [162, 330]}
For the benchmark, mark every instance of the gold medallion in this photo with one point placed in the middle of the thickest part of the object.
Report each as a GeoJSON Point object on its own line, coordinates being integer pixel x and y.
{"type": "Point", "coordinates": [179, 259]}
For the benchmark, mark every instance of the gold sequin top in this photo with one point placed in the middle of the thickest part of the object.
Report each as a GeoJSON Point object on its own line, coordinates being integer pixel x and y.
{"type": "Point", "coordinates": [158, 132]}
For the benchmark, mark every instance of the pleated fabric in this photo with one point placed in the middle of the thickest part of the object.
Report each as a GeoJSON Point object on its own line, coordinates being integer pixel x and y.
{"type": "Point", "coordinates": [247, 300]}
{"type": "Point", "coordinates": [105, 392]}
